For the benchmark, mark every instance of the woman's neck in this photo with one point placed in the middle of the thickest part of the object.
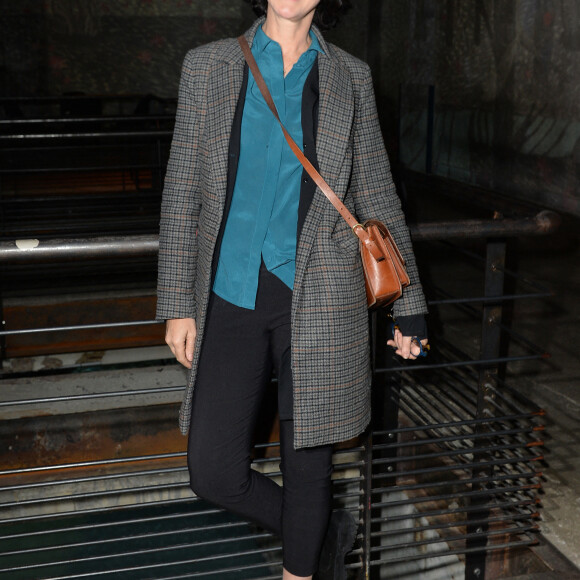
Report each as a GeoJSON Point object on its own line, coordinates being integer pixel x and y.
{"type": "Point", "coordinates": [293, 37]}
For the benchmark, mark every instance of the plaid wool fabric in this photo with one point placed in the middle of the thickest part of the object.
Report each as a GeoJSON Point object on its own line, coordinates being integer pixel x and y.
{"type": "Point", "coordinates": [330, 335]}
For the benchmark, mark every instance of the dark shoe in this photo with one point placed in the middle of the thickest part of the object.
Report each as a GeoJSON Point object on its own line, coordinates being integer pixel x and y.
{"type": "Point", "coordinates": [337, 544]}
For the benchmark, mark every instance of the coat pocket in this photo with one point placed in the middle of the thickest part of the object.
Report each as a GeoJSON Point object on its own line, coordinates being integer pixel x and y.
{"type": "Point", "coordinates": [344, 239]}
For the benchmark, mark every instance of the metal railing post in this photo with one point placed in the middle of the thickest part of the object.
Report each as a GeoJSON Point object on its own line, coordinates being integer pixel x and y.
{"type": "Point", "coordinates": [2, 327]}
{"type": "Point", "coordinates": [487, 383]}
{"type": "Point", "coordinates": [367, 468]}
{"type": "Point", "coordinates": [159, 169]}
{"type": "Point", "coordinates": [366, 495]}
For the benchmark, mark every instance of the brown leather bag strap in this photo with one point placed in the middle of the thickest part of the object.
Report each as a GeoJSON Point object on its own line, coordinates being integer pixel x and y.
{"type": "Point", "coordinates": [357, 229]}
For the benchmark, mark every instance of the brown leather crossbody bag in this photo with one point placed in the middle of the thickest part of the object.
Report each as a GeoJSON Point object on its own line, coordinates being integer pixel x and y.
{"type": "Point", "coordinates": [383, 265]}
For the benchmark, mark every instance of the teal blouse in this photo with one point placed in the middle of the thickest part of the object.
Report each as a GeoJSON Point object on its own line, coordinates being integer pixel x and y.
{"type": "Point", "coordinates": [263, 216]}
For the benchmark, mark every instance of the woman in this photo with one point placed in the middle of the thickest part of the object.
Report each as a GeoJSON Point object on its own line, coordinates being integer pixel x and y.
{"type": "Point", "coordinates": [258, 271]}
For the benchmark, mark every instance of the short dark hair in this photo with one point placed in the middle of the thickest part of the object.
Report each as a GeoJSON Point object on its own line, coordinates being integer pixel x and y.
{"type": "Point", "coordinates": [327, 14]}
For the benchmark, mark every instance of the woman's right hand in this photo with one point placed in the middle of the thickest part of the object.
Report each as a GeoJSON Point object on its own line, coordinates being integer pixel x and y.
{"type": "Point", "coordinates": [180, 336]}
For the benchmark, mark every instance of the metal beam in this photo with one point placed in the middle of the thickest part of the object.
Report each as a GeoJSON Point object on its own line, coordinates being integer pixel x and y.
{"type": "Point", "coordinates": [105, 247]}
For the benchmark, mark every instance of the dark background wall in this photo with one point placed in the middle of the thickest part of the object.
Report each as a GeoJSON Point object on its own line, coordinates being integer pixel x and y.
{"type": "Point", "coordinates": [507, 94]}
{"type": "Point", "coordinates": [505, 74]}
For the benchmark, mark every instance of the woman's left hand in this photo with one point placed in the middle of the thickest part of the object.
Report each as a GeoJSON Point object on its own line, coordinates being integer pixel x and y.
{"type": "Point", "coordinates": [405, 346]}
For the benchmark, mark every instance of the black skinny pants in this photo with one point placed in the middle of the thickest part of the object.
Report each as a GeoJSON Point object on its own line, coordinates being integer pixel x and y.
{"type": "Point", "coordinates": [240, 347]}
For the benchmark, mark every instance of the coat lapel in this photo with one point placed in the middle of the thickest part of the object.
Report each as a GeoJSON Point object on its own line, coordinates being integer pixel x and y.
{"type": "Point", "coordinates": [222, 98]}
{"type": "Point", "coordinates": [335, 119]}
{"type": "Point", "coordinates": [225, 83]}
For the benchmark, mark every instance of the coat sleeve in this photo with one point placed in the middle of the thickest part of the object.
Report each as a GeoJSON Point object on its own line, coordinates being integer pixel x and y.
{"type": "Point", "coordinates": [180, 207]}
{"type": "Point", "coordinates": [374, 192]}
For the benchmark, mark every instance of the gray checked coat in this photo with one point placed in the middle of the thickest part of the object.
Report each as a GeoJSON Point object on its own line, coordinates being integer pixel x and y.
{"type": "Point", "coordinates": [330, 337]}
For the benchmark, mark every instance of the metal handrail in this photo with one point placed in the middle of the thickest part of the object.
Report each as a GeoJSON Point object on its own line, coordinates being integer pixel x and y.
{"type": "Point", "coordinates": [545, 222]}
{"type": "Point", "coordinates": [70, 120]}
